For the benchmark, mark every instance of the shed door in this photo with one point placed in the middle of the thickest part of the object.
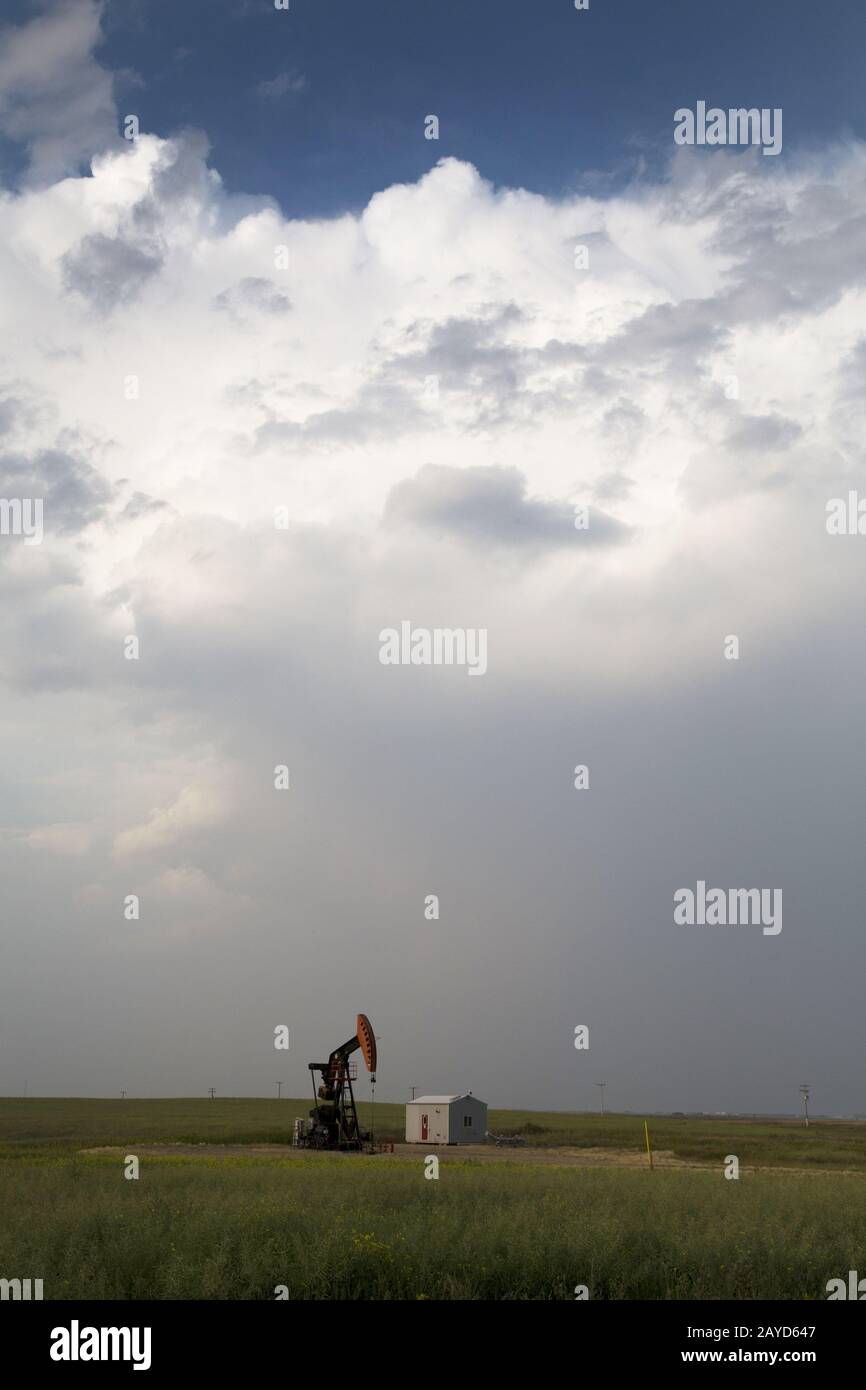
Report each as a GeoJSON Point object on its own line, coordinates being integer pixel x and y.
{"type": "Point", "coordinates": [424, 1127]}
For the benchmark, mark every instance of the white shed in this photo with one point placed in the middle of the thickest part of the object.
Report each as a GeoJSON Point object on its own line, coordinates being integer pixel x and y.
{"type": "Point", "coordinates": [446, 1120]}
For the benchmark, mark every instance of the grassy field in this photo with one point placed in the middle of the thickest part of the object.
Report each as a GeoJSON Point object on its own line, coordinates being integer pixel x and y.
{"type": "Point", "coordinates": [361, 1227]}
{"type": "Point", "coordinates": [86, 1123]}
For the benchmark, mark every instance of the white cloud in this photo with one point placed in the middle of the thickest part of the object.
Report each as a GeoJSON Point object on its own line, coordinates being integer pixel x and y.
{"type": "Point", "coordinates": [310, 392]}
{"type": "Point", "coordinates": [65, 838]}
{"type": "Point", "coordinates": [196, 808]}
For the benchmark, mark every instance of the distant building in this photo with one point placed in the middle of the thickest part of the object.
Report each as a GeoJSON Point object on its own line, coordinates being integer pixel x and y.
{"type": "Point", "coordinates": [446, 1120]}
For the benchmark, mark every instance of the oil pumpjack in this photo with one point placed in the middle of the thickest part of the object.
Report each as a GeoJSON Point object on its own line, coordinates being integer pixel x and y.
{"type": "Point", "coordinates": [333, 1122]}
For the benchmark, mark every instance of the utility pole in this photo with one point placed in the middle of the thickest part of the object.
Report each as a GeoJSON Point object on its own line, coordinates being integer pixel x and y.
{"type": "Point", "coordinates": [279, 1087]}
{"type": "Point", "coordinates": [804, 1092]}
{"type": "Point", "coordinates": [123, 1095]}
{"type": "Point", "coordinates": [414, 1089]}
{"type": "Point", "coordinates": [212, 1093]}
{"type": "Point", "coordinates": [601, 1085]}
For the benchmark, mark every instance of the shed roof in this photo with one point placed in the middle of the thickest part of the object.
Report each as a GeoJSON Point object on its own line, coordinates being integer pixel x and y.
{"type": "Point", "coordinates": [442, 1100]}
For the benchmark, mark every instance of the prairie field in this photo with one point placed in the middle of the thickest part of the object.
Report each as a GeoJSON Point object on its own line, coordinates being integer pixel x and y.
{"type": "Point", "coordinates": [241, 1224]}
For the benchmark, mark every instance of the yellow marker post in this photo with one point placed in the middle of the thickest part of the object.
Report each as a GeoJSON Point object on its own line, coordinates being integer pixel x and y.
{"type": "Point", "coordinates": [648, 1144]}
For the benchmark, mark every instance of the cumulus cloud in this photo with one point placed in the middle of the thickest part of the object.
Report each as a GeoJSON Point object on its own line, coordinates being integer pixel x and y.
{"type": "Point", "coordinates": [554, 387]}
{"type": "Point", "coordinates": [54, 96]}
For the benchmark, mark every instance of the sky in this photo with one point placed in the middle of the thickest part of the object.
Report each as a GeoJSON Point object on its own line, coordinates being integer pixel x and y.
{"type": "Point", "coordinates": [285, 374]}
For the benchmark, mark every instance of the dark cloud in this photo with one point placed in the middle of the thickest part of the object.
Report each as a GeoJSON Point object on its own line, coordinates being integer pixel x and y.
{"type": "Point", "coordinates": [490, 506]}
{"type": "Point", "coordinates": [107, 271]}
{"type": "Point", "coordinates": [472, 359]}
{"type": "Point", "coordinates": [756, 455]}
{"type": "Point", "coordinates": [253, 294]}
{"type": "Point", "coordinates": [666, 336]}
{"type": "Point", "coordinates": [379, 410]}
{"type": "Point", "coordinates": [74, 494]}
{"type": "Point", "coordinates": [140, 505]}
{"type": "Point", "coordinates": [763, 432]}
{"type": "Point", "coordinates": [55, 98]}
{"type": "Point", "coordinates": [10, 410]}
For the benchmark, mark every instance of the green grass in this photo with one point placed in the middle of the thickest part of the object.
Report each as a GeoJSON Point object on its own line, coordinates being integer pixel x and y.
{"type": "Point", "coordinates": [80, 1123]}
{"type": "Point", "coordinates": [765, 1143]}
{"type": "Point", "coordinates": [373, 1228]}
{"type": "Point", "coordinates": [362, 1227]}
